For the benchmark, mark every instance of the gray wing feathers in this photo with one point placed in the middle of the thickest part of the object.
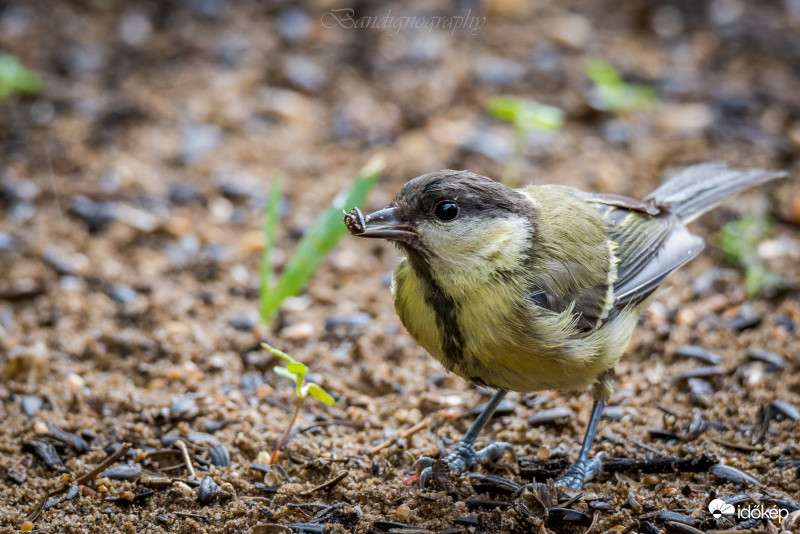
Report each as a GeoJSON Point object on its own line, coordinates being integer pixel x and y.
{"type": "Point", "coordinates": [700, 188]}
{"type": "Point", "coordinates": [678, 247]}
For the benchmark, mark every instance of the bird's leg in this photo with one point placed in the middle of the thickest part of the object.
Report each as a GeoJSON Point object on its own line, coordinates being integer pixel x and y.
{"type": "Point", "coordinates": [585, 468]}
{"type": "Point", "coordinates": [464, 455]}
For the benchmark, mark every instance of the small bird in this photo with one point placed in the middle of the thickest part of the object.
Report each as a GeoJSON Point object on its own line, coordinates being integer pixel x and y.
{"type": "Point", "coordinates": [540, 287]}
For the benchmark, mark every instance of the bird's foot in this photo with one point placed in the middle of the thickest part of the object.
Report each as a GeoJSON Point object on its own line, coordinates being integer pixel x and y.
{"type": "Point", "coordinates": [581, 472]}
{"type": "Point", "coordinates": [462, 457]}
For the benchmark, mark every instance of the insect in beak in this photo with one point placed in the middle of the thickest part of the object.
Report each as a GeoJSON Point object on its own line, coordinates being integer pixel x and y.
{"type": "Point", "coordinates": [385, 224]}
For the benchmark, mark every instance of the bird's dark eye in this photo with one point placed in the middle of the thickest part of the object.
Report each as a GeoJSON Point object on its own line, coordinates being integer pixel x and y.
{"type": "Point", "coordinates": [446, 210]}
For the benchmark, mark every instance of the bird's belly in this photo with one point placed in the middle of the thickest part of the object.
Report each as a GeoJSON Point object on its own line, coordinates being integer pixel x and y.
{"type": "Point", "coordinates": [522, 348]}
{"type": "Point", "coordinates": [539, 352]}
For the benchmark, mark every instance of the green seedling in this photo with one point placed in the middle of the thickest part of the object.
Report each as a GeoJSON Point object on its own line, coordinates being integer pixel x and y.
{"type": "Point", "coordinates": [739, 241]}
{"type": "Point", "coordinates": [613, 93]}
{"type": "Point", "coordinates": [16, 79]}
{"type": "Point", "coordinates": [316, 243]}
{"type": "Point", "coordinates": [526, 116]}
{"type": "Point", "coordinates": [296, 372]}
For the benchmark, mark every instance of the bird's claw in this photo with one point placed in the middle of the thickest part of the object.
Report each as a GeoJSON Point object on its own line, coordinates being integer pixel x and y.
{"type": "Point", "coordinates": [461, 458]}
{"type": "Point", "coordinates": [581, 472]}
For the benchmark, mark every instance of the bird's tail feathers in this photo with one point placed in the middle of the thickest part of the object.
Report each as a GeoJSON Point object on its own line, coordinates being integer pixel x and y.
{"type": "Point", "coordinates": [700, 188]}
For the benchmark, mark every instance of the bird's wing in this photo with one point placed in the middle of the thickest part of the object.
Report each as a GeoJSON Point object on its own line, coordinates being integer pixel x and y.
{"type": "Point", "coordinates": [573, 268]}
{"type": "Point", "coordinates": [651, 242]}
{"type": "Point", "coordinates": [603, 252]}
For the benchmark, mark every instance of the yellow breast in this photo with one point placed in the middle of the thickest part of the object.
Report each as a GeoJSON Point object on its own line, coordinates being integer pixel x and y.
{"type": "Point", "coordinates": [508, 343]}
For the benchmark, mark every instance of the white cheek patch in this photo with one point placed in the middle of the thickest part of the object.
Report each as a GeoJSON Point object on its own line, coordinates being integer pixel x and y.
{"type": "Point", "coordinates": [478, 245]}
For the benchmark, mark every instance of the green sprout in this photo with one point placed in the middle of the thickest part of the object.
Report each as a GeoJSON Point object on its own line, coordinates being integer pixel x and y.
{"type": "Point", "coordinates": [739, 241]}
{"type": "Point", "coordinates": [613, 93]}
{"type": "Point", "coordinates": [296, 372]}
{"type": "Point", "coordinates": [316, 243]}
{"type": "Point", "coordinates": [526, 116]}
{"type": "Point", "coordinates": [15, 78]}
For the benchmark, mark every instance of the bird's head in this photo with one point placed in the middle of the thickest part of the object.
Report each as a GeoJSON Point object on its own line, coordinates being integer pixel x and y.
{"type": "Point", "coordinates": [454, 220]}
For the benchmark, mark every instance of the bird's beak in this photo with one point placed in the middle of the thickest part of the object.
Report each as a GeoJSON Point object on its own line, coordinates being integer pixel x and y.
{"type": "Point", "coordinates": [386, 224]}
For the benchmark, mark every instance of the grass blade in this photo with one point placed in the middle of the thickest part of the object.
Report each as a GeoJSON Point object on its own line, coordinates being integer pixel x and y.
{"type": "Point", "coordinates": [270, 228]}
{"type": "Point", "coordinates": [323, 235]}
{"type": "Point", "coordinates": [15, 78]}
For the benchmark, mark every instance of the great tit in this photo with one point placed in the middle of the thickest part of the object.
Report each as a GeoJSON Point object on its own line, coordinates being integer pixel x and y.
{"type": "Point", "coordinates": [539, 287]}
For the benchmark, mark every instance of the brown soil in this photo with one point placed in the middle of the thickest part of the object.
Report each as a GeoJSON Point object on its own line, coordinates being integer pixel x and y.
{"type": "Point", "coordinates": [132, 192]}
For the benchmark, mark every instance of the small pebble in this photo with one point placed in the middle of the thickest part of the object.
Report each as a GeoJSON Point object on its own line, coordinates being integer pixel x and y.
{"type": "Point", "coordinates": [773, 360]}
{"type": "Point", "coordinates": [184, 489]}
{"type": "Point", "coordinates": [615, 132]}
{"type": "Point", "coordinates": [699, 387]}
{"type": "Point", "coordinates": [183, 194]}
{"type": "Point", "coordinates": [724, 12]}
{"type": "Point", "coordinates": [305, 74]}
{"type": "Point", "coordinates": [352, 320]}
{"type": "Point", "coordinates": [59, 261]}
{"type": "Point", "coordinates": [572, 30]}
{"type": "Point", "coordinates": [294, 24]}
{"type": "Point", "coordinates": [135, 28]}
{"type": "Point", "coordinates": [198, 139]}
{"type": "Point", "coordinates": [75, 382]}
{"type": "Point", "coordinates": [138, 218]}
{"type": "Point", "coordinates": [123, 472]}
{"type": "Point", "coordinates": [7, 241]}
{"type": "Point", "coordinates": [651, 479]}
{"type": "Point", "coordinates": [498, 70]}
{"type": "Point", "coordinates": [549, 416]}
{"type": "Point", "coordinates": [601, 506]}
{"type": "Point", "coordinates": [785, 322]}
{"type": "Point", "coordinates": [68, 438]}
{"type": "Point", "coordinates": [700, 372]}
{"type": "Point", "coordinates": [96, 215]}
{"type": "Point", "coordinates": [668, 515]}
{"type": "Point", "coordinates": [219, 455]}
{"type": "Point", "coordinates": [784, 410]}
{"type": "Point", "coordinates": [122, 293]}
{"type": "Point", "coordinates": [685, 120]}
{"type": "Point", "coordinates": [543, 453]}
{"type": "Point", "coordinates": [84, 58]}
{"type": "Point", "coordinates": [242, 322]}
{"type": "Point", "coordinates": [660, 433]}
{"type": "Point", "coordinates": [202, 438]}
{"type": "Point", "coordinates": [74, 491]}
{"type": "Point", "coordinates": [667, 21]}
{"type": "Point", "coordinates": [207, 491]}
{"type": "Point", "coordinates": [494, 144]}
{"type": "Point", "coordinates": [47, 453]}
{"type": "Point", "coordinates": [17, 473]}
{"type": "Point", "coordinates": [31, 405]}
{"type": "Point", "coordinates": [698, 353]}
{"type": "Point", "coordinates": [30, 361]}
{"type": "Point", "coordinates": [506, 407]}
{"type": "Point", "coordinates": [614, 413]}
{"type": "Point", "coordinates": [633, 503]}
{"type": "Point", "coordinates": [745, 320]}
{"type": "Point", "coordinates": [184, 407]}
{"type": "Point", "coordinates": [26, 526]}
{"type": "Point", "coordinates": [731, 474]}
{"type": "Point", "coordinates": [211, 9]}
{"type": "Point", "coordinates": [403, 512]}
{"type": "Point", "coordinates": [297, 332]}
{"type": "Point", "coordinates": [213, 425]}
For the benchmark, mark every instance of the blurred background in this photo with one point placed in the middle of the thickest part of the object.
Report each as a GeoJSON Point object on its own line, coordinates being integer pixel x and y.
{"type": "Point", "coordinates": [139, 142]}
